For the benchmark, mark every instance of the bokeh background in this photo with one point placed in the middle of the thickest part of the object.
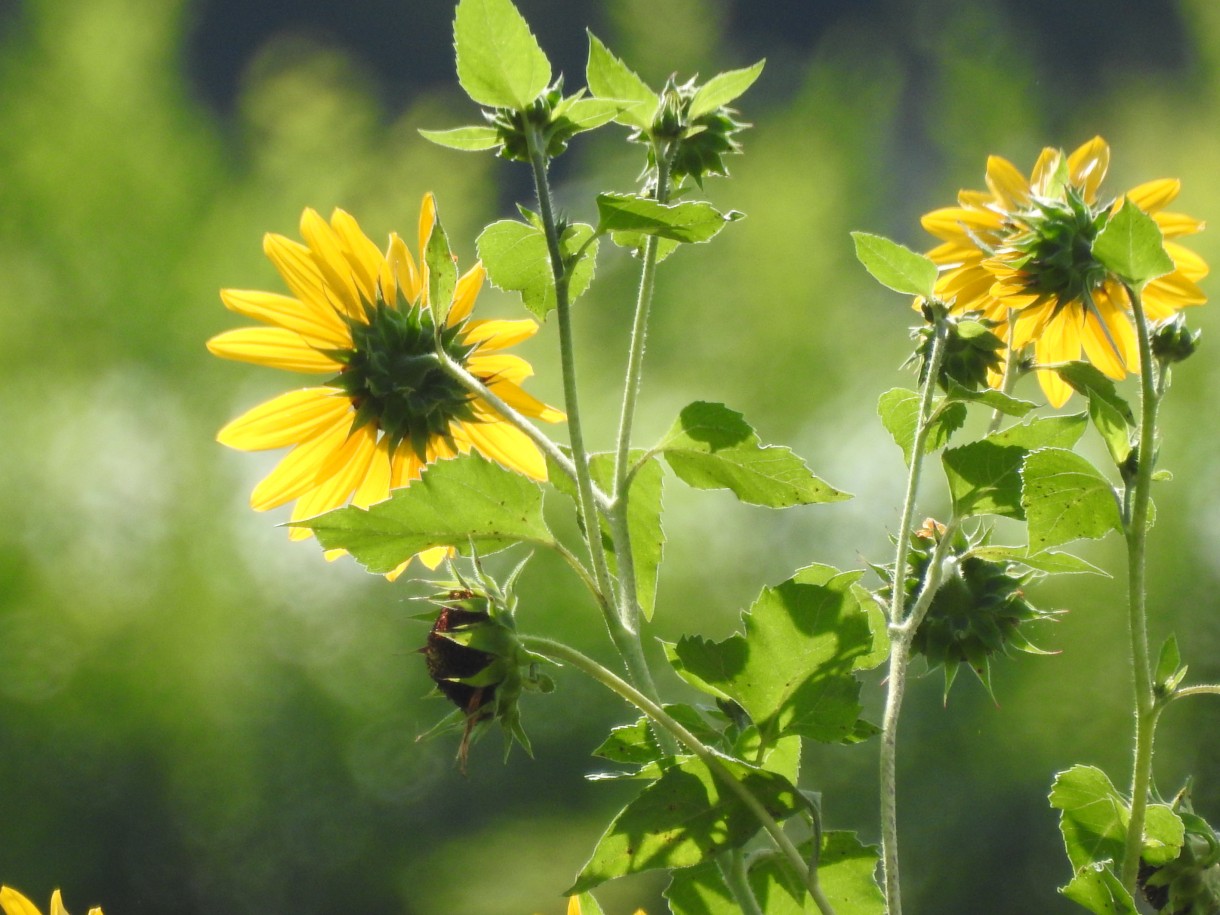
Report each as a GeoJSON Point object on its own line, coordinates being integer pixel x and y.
{"type": "Point", "coordinates": [197, 716]}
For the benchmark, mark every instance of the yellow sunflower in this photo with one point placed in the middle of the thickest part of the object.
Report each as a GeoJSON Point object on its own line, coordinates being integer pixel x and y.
{"type": "Point", "coordinates": [388, 408]}
{"type": "Point", "coordinates": [1021, 254]}
{"type": "Point", "coordinates": [13, 903]}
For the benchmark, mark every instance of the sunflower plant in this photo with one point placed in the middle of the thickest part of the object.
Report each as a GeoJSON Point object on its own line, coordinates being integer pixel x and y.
{"type": "Point", "coordinates": [421, 441]}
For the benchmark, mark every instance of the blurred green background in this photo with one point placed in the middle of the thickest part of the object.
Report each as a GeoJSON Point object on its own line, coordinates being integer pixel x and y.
{"type": "Point", "coordinates": [198, 716]}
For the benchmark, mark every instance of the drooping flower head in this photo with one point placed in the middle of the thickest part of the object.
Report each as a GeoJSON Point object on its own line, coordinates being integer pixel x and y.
{"type": "Point", "coordinates": [388, 408]}
{"type": "Point", "coordinates": [13, 903]}
{"type": "Point", "coordinates": [1020, 253]}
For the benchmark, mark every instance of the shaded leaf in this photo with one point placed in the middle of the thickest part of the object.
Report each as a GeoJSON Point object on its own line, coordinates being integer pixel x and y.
{"type": "Point", "coordinates": [845, 874]}
{"type": "Point", "coordinates": [700, 890]}
{"type": "Point", "coordinates": [684, 818]}
{"type": "Point", "coordinates": [455, 502]}
{"type": "Point", "coordinates": [899, 412]}
{"type": "Point", "coordinates": [1066, 498]}
{"type": "Point", "coordinates": [896, 266]}
{"type": "Point", "coordinates": [1110, 413]}
{"type": "Point", "coordinates": [499, 62]}
{"type": "Point", "coordinates": [713, 447]}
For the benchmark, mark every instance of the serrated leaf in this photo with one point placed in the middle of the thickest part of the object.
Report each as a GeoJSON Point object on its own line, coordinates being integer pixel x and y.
{"type": "Point", "coordinates": [610, 78]}
{"type": "Point", "coordinates": [455, 502]}
{"type": "Point", "coordinates": [589, 113]}
{"type": "Point", "coordinates": [1097, 889]}
{"type": "Point", "coordinates": [499, 61]}
{"type": "Point", "coordinates": [1045, 432]}
{"type": "Point", "coordinates": [517, 259]}
{"type": "Point", "coordinates": [643, 519]}
{"type": "Point", "coordinates": [1052, 562]}
{"type": "Point", "coordinates": [896, 266]}
{"type": "Point", "coordinates": [713, 447]}
{"type": "Point", "coordinates": [685, 817]}
{"type": "Point", "coordinates": [1130, 245]}
{"type": "Point", "coordinates": [631, 744]}
{"type": "Point", "coordinates": [997, 400]}
{"type": "Point", "coordinates": [700, 890]}
{"type": "Point", "coordinates": [899, 412]}
{"type": "Point", "coordinates": [792, 670]}
{"type": "Point", "coordinates": [691, 222]}
{"type": "Point", "coordinates": [1066, 498]}
{"type": "Point", "coordinates": [464, 138]}
{"type": "Point", "coordinates": [846, 872]}
{"type": "Point", "coordinates": [722, 89]}
{"type": "Point", "coordinates": [442, 274]}
{"type": "Point", "coordinates": [1111, 414]}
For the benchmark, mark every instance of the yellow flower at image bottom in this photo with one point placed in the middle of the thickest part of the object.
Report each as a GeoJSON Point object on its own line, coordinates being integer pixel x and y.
{"type": "Point", "coordinates": [1020, 253]}
{"type": "Point", "coordinates": [388, 409]}
{"type": "Point", "coordinates": [13, 903]}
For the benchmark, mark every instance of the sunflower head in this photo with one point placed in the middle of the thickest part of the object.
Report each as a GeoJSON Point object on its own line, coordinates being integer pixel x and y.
{"type": "Point", "coordinates": [475, 659]}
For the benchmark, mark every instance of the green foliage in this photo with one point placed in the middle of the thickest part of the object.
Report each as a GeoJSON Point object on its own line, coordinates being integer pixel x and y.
{"type": "Point", "coordinates": [1051, 562]}
{"type": "Point", "coordinates": [499, 62]}
{"type": "Point", "coordinates": [989, 397]}
{"type": "Point", "coordinates": [845, 876]}
{"type": "Point", "coordinates": [1130, 246]}
{"type": "Point", "coordinates": [792, 670]}
{"type": "Point", "coordinates": [610, 78]}
{"type": "Point", "coordinates": [442, 275]}
{"type": "Point", "coordinates": [1066, 498]}
{"type": "Point", "coordinates": [627, 218]}
{"type": "Point", "coordinates": [896, 266]}
{"type": "Point", "coordinates": [899, 412]}
{"type": "Point", "coordinates": [1095, 887]}
{"type": "Point", "coordinates": [456, 503]}
{"type": "Point", "coordinates": [683, 818]}
{"type": "Point", "coordinates": [468, 139]}
{"type": "Point", "coordinates": [713, 447]}
{"type": "Point", "coordinates": [1110, 413]}
{"type": "Point", "coordinates": [518, 260]}
{"type": "Point", "coordinates": [722, 89]}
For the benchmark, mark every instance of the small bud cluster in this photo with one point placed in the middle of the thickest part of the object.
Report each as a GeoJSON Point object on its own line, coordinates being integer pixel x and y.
{"type": "Point", "coordinates": [1173, 341]}
{"type": "Point", "coordinates": [545, 115]}
{"type": "Point", "coordinates": [972, 352]}
{"type": "Point", "coordinates": [695, 146]}
{"type": "Point", "coordinates": [1189, 884]}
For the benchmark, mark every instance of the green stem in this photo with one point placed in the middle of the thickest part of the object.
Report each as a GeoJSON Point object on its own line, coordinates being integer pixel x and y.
{"type": "Point", "coordinates": [1010, 374]}
{"type": "Point", "coordinates": [1203, 689]}
{"type": "Point", "coordinates": [564, 654]}
{"type": "Point", "coordinates": [1137, 619]}
{"type": "Point", "coordinates": [563, 306]}
{"type": "Point", "coordinates": [901, 634]}
{"type": "Point", "coordinates": [733, 868]}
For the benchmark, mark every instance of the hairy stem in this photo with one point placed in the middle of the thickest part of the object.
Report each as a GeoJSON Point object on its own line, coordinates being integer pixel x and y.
{"type": "Point", "coordinates": [1203, 689]}
{"type": "Point", "coordinates": [564, 654]}
{"type": "Point", "coordinates": [1137, 615]}
{"type": "Point", "coordinates": [732, 866]}
{"type": "Point", "coordinates": [901, 634]}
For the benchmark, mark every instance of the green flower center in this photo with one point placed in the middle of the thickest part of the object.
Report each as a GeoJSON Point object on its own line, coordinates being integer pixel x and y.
{"type": "Point", "coordinates": [1056, 249]}
{"type": "Point", "coordinates": [395, 380]}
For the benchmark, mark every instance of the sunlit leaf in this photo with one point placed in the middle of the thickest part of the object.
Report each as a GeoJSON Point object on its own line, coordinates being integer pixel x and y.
{"type": "Point", "coordinates": [499, 62]}
{"type": "Point", "coordinates": [899, 412]}
{"type": "Point", "coordinates": [610, 78]}
{"type": "Point", "coordinates": [626, 217]}
{"type": "Point", "coordinates": [997, 400]}
{"type": "Point", "coordinates": [683, 818]}
{"type": "Point", "coordinates": [517, 259]}
{"type": "Point", "coordinates": [1097, 889]}
{"type": "Point", "coordinates": [713, 447]}
{"type": "Point", "coordinates": [896, 266]}
{"type": "Point", "coordinates": [442, 274]}
{"type": "Point", "coordinates": [464, 138]}
{"type": "Point", "coordinates": [1066, 498]}
{"type": "Point", "coordinates": [1052, 562]}
{"type": "Point", "coordinates": [455, 502]}
{"type": "Point", "coordinates": [1130, 245]}
{"type": "Point", "coordinates": [722, 89]}
{"type": "Point", "coordinates": [700, 890]}
{"type": "Point", "coordinates": [846, 872]}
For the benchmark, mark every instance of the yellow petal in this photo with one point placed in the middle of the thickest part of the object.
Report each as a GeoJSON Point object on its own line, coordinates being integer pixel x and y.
{"type": "Point", "coordinates": [375, 487]}
{"type": "Point", "coordinates": [1044, 170]}
{"type": "Point", "coordinates": [362, 256]}
{"type": "Point", "coordinates": [323, 328]}
{"type": "Point", "coordinates": [298, 471]}
{"type": "Point", "coordinates": [296, 265]}
{"type": "Point", "coordinates": [348, 466]}
{"type": "Point", "coordinates": [1174, 225]}
{"type": "Point", "coordinates": [1108, 338]}
{"type": "Point", "coordinates": [465, 292]}
{"type": "Point", "coordinates": [955, 224]}
{"type": "Point", "coordinates": [1175, 290]}
{"type": "Point", "coordinates": [1059, 342]}
{"type": "Point", "coordinates": [1154, 195]}
{"type": "Point", "coordinates": [328, 256]}
{"type": "Point", "coordinates": [427, 219]}
{"type": "Point", "coordinates": [404, 467]}
{"type": "Point", "coordinates": [435, 556]}
{"type": "Point", "coordinates": [57, 904]}
{"type": "Point", "coordinates": [271, 346]}
{"type": "Point", "coordinates": [494, 335]}
{"type": "Point", "coordinates": [14, 903]}
{"type": "Point", "coordinates": [523, 403]}
{"type": "Point", "coordinates": [405, 271]}
{"type": "Point", "coordinates": [499, 367]}
{"type": "Point", "coordinates": [1087, 167]}
{"type": "Point", "coordinates": [508, 446]}
{"type": "Point", "coordinates": [1006, 183]}
{"type": "Point", "coordinates": [1186, 262]}
{"type": "Point", "coordinates": [288, 419]}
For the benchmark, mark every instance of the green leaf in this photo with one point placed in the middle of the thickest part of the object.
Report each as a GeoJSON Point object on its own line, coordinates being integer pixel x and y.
{"type": "Point", "coordinates": [643, 518]}
{"type": "Point", "coordinates": [589, 905]}
{"type": "Point", "coordinates": [1130, 246]}
{"type": "Point", "coordinates": [499, 62]}
{"type": "Point", "coordinates": [683, 818]}
{"type": "Point", "coordinates": [631, 744]}
{"type": "Point", "coordinates": [464, 138]}
{"type": "Point", "coordinates": [896, 266]}
{"type": "Point", "coordinates": [1097, 889]}
{"type": "Point", "coordinates": [442, 274]}
{"type": "Point", "coordinates": [1110, 413]}
{"type": "Point", "coordinates": [1066, 498]}
{"type": "Point", "coordinates": [1168, 662]}
{"type": "Point", "coordinates": [985, 476]}
{"type": "Point", "coordinates": [627, 216]}
{"type": "Point", "coordinates": [845, 875]}
{"type": "Point", "coordinates": [997, 400]}
{"type": "Point", "coordinates": [713, 447]}
{"type": "Point", "coordinates": [700, 890]}
{"type": "Point", "coordinates": [792, 670]}
{"type": "Point", "coordinates": [589, 113]}
{"type": "Point", "coordinates": [455, 502]}
{"type": "Point", "coordinates": [722, 89]}
{"type": "Point", "coordinates": [610, 78]}
{"type": "Point", "coordinates": [517, 259]}
{"type": "Point", "coordinates": [899, 412]}
{"type": "Point", "coordinates": [1052, 562]}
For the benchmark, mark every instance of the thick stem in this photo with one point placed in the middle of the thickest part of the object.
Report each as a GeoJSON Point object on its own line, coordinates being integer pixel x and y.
{"type": "Point", "coordinates": [563, 307]}
{"type": "Point", "coordinates": [733, 868]}
{"type": "Point", "coordinates": [564, 654]}
{"type": "Point", "coordinates": [902, 634]}
{"type": "Point", "coordinates": [1137, 616]}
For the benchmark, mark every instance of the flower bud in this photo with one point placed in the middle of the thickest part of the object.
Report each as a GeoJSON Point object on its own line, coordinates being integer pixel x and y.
{"type": "Point", "coordinates": [512, 125]}
{"type": "Point", "coordinates": [1173, 341]}
{"type": "Point", "coordinates": [973, 354]}
{"type": "Point", "coordinates": [695, 146]}
{"type": "Point", "coordinates": [1189, 884]}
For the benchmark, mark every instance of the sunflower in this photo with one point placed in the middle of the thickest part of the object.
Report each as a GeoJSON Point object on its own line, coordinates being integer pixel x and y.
{"type": "Point", "coordinates": [1020, 253]}
{"type": "Point", "coordinates": [13, 903]}
{"type": "Point", "coordinates": [388, 408]}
